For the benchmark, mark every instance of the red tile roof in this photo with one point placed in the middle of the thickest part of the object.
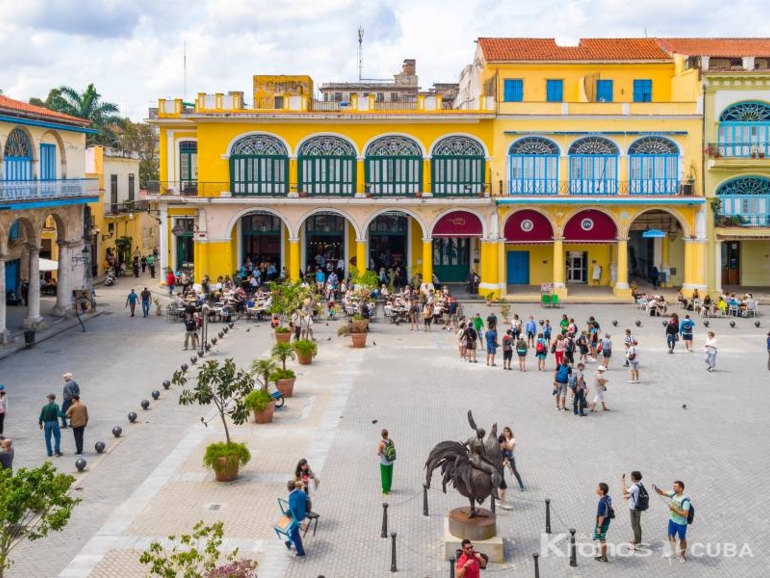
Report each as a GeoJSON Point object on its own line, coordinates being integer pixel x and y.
{"type": "Point", "coordinates": [588, 49]}
{"type": "Point", "coordinates": [20, 108]}
{"type": "Point", "coordinates": [720, 47]}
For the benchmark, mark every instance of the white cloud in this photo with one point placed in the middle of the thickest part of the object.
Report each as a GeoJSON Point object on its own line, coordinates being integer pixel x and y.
{"type": "Point", "coordinates": [132, 51]}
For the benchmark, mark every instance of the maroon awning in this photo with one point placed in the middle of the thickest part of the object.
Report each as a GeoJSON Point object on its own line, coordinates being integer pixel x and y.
{"type": "Point", "coordinates": [590, 226]}
{"type": "Point", "coordinates": [528, 227]}
{"type": "Point", "coordinates": [458, 224]}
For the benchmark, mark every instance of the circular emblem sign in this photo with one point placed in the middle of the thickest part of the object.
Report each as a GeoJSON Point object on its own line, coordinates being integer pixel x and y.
{"type": "Point", "coordinates": [177, 230]}
{"type": "Point", "coordinates": [527, 225]}
{"type": "Point", "coordinates": [587, 224]}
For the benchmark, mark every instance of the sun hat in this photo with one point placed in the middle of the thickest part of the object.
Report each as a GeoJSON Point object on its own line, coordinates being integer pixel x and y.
{"type": "Point", "coordinates": [601, 368]}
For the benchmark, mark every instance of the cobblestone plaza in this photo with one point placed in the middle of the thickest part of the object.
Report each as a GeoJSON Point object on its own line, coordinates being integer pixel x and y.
{"type": "Point", "coordinates": [681, 422]}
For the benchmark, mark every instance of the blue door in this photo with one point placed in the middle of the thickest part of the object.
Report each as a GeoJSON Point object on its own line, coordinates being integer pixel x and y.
{"type": "Point", "coordinates": [12, 276]}
{"type": "Point", "coordinates": [518, 267]}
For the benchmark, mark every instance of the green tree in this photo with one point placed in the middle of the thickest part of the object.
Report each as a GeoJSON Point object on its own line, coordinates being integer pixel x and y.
{"type": "Point", "coordinates": [196, 556]}
{"type": "Point", "coordinates": [32, 504]}
{"type": "Point", "coordinates": [143, 139]}
{"type": "Point", "coordinates": [87, 105]}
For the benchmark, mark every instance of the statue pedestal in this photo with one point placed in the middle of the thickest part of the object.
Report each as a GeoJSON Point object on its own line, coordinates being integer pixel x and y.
{"type": "Point", "coordinates": [482, 531]}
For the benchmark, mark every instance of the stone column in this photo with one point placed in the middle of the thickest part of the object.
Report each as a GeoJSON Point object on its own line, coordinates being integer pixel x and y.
{"type": "Point", "coordinates": [63, 292]}
{"type": "Point", "coordinates": [162, 263]}
{"type": "Point", "coordinates": [294, 264]}
{"type": "Point", "coordinates": [5, 335]}
{"type": "Point", "coordinates": [718, 266]}
{"type": "Point", "coordinates": [490, 275]}
{"type": "Point", "coordinates": [621, 285]}
{"type": "Point", "coordinates": [362, 259]}
{"type": "Point", "coordinates": [558, 266]}
{"type": "Point", "coordinates": [427, 260]}
{"type": "Point", "coordinates": [33, 319]}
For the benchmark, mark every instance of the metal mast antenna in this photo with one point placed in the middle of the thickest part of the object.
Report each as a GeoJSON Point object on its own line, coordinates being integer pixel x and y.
{"type": "Point", "coordinates": [360, 53]}
{"type": "Point", "coordinates": [184, 66]}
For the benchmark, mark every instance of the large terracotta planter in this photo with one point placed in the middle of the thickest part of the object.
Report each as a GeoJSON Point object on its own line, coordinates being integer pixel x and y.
{"type": "Point", "coordinates": [360, 326]}
{"type": "Point", "coordinates": [359, 340]}
{"type": "Point", "coordinates": [283, 337]}
{"type": "Point", "coordinates": [286, 386]}
{"type": "Point", "coordinates": [265, 416]}
{"type": "Point", "coordinates": [226, 470]}
{"type": "Point", "coordinates": [304, 359]}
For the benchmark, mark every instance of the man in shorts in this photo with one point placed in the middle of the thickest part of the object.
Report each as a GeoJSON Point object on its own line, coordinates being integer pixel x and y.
{"type": "Point", "coordinates": [685, 328]}
{"type": "Point", "coordinates": [677, 522]}
{"type": "Point", "coordinates": [470, 343]}
{"type": "Point", "coordinates": [507, 349]}
{"type": "Point", "coordinates": [560, 383]}
{"type": "Point", "coordinates": [632, 355]}
{"type": "Point", "coordinates": [603, 517]}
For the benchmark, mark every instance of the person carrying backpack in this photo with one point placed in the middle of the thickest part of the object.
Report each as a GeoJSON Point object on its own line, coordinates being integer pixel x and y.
{"type": "Point", "coordinates": [638, 502]}
{"type": "Point", "coordinates": [521, 351]}
{"type": "Point", "coordinates": [470, 343]}
{"type": "Point", "coordinates": [541, 351]}
{"type": "Point", "coordinates": [507, 350]}
{"type": "Point", "coordinates": [685, 328]}
{"type": "Point", "coordinates": [386, 449]}
{"type": "Point", "coordinates": [682, 513]}
{"type": "Point", "coordinates": [560, 380]}
{"type": "Point", "coordinates": [604, 514]}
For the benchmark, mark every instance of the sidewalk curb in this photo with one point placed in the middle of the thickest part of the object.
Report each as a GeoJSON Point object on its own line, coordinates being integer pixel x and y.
{"type": "Point", "coordinates": [59, 326]}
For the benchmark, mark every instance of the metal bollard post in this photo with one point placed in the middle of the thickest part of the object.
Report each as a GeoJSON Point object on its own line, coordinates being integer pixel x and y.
{"type": "Point", "coordinates": [384, 533]}
{"type": "Point", "coordinates": [547, 516]}
{"type": "Point", "coordinates": [492, 503]}
{"type": "Point", "coordinates": [393, 567]}
{"type": "Point", "coordinates": [537, 565]}
{"type": "Point", "coordinates": [425, 500]}
{"type": "Point", "coordinates": [451, 568]}
{"type": "Point", "coordinates": [572, 548]}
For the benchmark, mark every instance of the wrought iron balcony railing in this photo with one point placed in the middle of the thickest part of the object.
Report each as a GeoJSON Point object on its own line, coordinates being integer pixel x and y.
{"type": "Point", "coordinates": [723, 220]}
{"type": "Point", "coordinates": [744, 150]}
{"type": "Point", "coordinates": [57, 189]}
{"type": "Point", "coordinates": [126, 207]}
{"type": "Point", "coordinates": [599, 187]}
{"type": "Point", "coordinates": [182, 188]}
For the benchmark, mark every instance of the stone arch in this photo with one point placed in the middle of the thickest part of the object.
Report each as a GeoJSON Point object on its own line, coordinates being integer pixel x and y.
{"type": "Point", "coordinates": [388, 135]}
{"type": "Point", "coordinates": [339, 212]}
{"type": "Point", "coordinates": [61, 225]}
{"type": "Point", "coordinates": [60, 150]}
{"type": "Point", "coordinates": [406, 211]}
{"type": "Point", "coordinates": [245, 135]}
{"type": "Point", "coordinates": [686, 230]}
{"type": "Point", "coordinates": [231, 224]}
{"type": "Point", "coordinates": [305, 141]}
{"type": "Point", "coordinates": [481, 217]}
{"type": "Point", "coordinates": [448, 140]}
{"type": "Point", "coordinates": [32, 228]}
{"type": "Point", "coordinates": [31, 147]}
{"type": "Point", "coordinates": [559, 230]}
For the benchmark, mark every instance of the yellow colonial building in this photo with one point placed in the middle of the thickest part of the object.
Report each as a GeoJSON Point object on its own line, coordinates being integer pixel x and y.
{"type": "Point", "coordinates": [556, 165]}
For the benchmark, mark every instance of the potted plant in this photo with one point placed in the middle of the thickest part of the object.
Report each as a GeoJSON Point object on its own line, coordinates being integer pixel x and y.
{"type": "Point", "coordinates": [306, 351]}
{"type": "Point", "coordinates": [286, 298]}
{"type": "Point", "coordinates": [262, 404]}
{"type": "Point", "coordinates": [358, 324]}
{"type": "Point", "coordinates": [490, 297]}
{"type": "Point", "coordinates": [505, 310]}
{"type": "Point", "coordinates": [284, 378]}
{"type": "Point", "coordinates": [156, 302]}
{"type": "Point", "coordinates": [282, 334]}
{"type": "Point", "coordinates": [357, 335]}
{"type": "Point", "coordinates": [225, 387]}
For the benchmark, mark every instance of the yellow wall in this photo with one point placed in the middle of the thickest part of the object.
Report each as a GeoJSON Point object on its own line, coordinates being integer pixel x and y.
{"type": "Point", "coordinates": [755, 263]}
{"type": "Point", "coordinates": [540, 262]}
{"type": "Point", "coordinates": [415, 255]}
{"type": "Point", "coordinates": [622, 75]}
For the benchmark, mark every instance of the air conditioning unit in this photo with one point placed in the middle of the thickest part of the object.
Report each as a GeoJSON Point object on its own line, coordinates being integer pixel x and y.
{"type": "Point", "coordinates": [687, 188]}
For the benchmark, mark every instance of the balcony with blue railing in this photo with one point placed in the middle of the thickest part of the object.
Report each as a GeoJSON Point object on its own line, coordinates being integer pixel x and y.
{"type": "Point", "coordinates": [661, 187]}
{"type": "Point", "coordinates": [741, 221]}
{"type": "Point", "coordinates": [35, 190]}
{"type": "Point", "coordinates": [739, 150]}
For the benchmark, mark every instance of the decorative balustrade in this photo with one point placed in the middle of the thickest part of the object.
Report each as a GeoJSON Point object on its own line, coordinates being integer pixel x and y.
{"type": "Point", "coordinates": [56, 189]}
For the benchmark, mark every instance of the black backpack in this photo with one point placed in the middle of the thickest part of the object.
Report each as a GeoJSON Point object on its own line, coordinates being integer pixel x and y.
{"type": "Point", "coordinates": [690, 512]}
{"type": "Point", "coordinates": [642, 499]}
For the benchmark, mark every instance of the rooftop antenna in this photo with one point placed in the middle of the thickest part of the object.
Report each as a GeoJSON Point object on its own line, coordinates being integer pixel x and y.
{"type": "Point", "coordinates": [184, 66]}
{"type": "Point", "coordinates": [360, 53]}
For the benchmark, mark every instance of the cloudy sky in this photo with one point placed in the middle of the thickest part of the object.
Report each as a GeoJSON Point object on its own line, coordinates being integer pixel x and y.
{"type": "Point", "coordinates": [133, 51]}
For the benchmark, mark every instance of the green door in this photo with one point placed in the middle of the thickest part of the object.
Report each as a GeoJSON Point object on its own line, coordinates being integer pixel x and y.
{"type": "Point", "coordinates": [451, 259]}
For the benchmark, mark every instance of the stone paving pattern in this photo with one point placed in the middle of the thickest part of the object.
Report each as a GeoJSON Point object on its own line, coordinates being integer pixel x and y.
{"type": "Point", "coordinates": [152, 483]}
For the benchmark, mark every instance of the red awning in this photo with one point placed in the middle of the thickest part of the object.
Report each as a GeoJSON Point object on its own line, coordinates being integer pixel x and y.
{"type": "Point", "coordinates": [528, 227]}
{"type": "Point", "coordinates": [458, 224]}
{"type": "Point", "coordinates": [590, 226]}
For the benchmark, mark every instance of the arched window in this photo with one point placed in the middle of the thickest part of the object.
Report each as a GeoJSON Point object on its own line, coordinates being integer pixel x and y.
{"type": "Point", "coordinates": [593, 166]}
{"type": "Point", "coordinates": [393, 166]}
{"type": "Point", "coordinates": [654, 166]}
{"type": "Point", "coordinates": [534, 166]}
{"type": "Point", "coordinates": [744, 130]}
{"type": "Point", "coordinates": [744, 201]}
{"type": "Point", "coordinates": [259, 165]}
{"type": "Point", "coordinates": [18, 157]}
{"type": "Point", "coordinates": [458, 166]}
{"type": "Point", "coordinates": [327, 166]}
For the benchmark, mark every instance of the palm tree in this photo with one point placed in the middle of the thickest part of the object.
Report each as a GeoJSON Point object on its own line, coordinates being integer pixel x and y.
{"type": "Point", "coordinates": [88, 105]}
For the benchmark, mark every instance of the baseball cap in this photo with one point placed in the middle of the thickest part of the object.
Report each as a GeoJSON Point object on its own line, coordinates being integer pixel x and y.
{"type": "Point", "coordinates": [2, 387]}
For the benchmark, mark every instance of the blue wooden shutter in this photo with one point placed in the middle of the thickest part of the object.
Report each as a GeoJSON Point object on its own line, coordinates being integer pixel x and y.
{"type": "Point", "coordinates": [643, 90]}
{"type": "Point", "coordinates": [554, 90]}
{"type": "Point", "coordinates": [604, 90]}
{"type": "Point", "coordinates": [513, 90]}
{"type": "Point", "coordinates": [47, 162]}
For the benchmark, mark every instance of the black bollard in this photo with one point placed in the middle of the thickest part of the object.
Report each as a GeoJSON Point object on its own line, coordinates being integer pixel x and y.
{"type": "Point", "coordinates": [393, 567]}
{"type": "Point", "coordinates": [537, 565]}
{"type": "Point", "coordinates": [425, 500]}
{"type": "Point", "coordinates": [492, 503]}
{"type": "Point", "coordinates": [384, 533]}
{"type": "Point", "coordinates": [572, 549]}
{"type": "Point", "coordinates": [547, 516]}
{"type": "Point", "coordinates": [451, 568]}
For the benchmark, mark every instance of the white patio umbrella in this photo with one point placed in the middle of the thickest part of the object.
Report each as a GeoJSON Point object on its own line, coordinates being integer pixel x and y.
{"type": "Point", "coordinates": [48, 265]}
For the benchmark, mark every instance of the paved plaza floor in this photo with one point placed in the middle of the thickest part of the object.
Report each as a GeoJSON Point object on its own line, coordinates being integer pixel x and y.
{"type": "Point", "coordinates": [707, 429]}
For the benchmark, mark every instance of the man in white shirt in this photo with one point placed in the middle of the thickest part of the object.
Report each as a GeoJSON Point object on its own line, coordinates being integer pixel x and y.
{"type": "Point", "coordinates": [631, 493]}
